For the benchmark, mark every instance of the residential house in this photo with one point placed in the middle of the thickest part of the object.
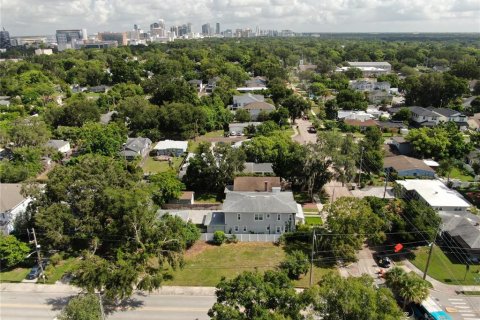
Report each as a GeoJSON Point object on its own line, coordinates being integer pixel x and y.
{"type": "Point", "coordinates": [363, 125]}
{"type": "Point", "coordinates": [135, 148]}
{"type": "Point", "coordinates": [98, 89]}
{"type": "Point", "coordinates": [258, 168]}
{"type": "Point", "coordinates": [186, 198]}
{"type": "Point", "coordinates": [434, 193]}
{"type": "Point", "coordinates": [404, 166]}
{"type": "Point", "coordinates": [369, 69]}
{"type": "Point", "coordinates": [403, 146]}
{"type": "Point", "coordinates": [446, 115]}
{"type": "Point", "coordinates": [12, 204]}
{"type": "Point", "coordinates": [238, 127]}
{"type": "Point", "coordinates": [353, 115]}
{"type": "Point", "coordinates": [258, 184]}
{"type": "Point", "coordinates": [240, 101]}
{"type": "Point", "coordinates": [170, 148]}
{"type": "Point", "coordinates": [379, 97]}
{"type": "Point", "coordinates": [255, 108]}
{"type": "Point", "coordinates": [473, 157]}
{"type": "Point", "coordinates": [61, 146]}
{"type": "Point", "coordinates": [4, 101]}
{"type": "Point", "coordinates": [424, 117]}
{"type": "Point", "coordinates": [212, 84]}
{"type": "Point", "coordinates": [197, 84]}
{"type": "Point", "coordinates": [463, 232]}
{"type": "Point", "coordinates": [258, 212]}
{"type": "Point", "coordinates": [254, 84]}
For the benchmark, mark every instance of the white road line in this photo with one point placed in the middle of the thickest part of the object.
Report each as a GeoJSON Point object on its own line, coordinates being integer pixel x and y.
{"type": "Point", "coordinates": [455, 299]}
{"type": "Point", "coordinates": [459, 303]}
{"type": "Point", "coordinates": [462, 307]}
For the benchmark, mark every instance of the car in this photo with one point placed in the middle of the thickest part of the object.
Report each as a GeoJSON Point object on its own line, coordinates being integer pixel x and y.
{"type": "Point", "coordinates": [312, 130]}
{"type": "Point", "coordinates": [383, 260]}
{"type": "Point", "coordinates": [34, 273]}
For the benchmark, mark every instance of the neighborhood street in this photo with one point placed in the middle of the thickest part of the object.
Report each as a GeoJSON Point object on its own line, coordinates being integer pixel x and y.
{"type": "Point", "coordinates": [303, 136]}
{"type": "Point", "coordinates": [47, 305]}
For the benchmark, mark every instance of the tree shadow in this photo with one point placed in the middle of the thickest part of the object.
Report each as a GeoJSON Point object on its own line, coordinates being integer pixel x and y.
{"type": "Point", "coordinates": [59, 303]}
{"type": "Point", "coordinates": [124, 305]}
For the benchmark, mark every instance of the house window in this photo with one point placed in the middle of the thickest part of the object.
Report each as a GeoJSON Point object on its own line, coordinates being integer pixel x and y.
{"type": "Point", "coordinates": [278, 229]}
{"type": "Point", "coordinates": [239, 216]}
{"type": "Point", "coordinates": [244, 228]}
{"type": "Point", "coordinates": [236, 228]}
{"type": "Point", "coordinates": [279, 217]}
{"type": "Point", "coordinates": [268, 228]}
{"type": "Point", "coordinates": [258, 216]}
{"type": "Point", "coordinates": [268, 215]}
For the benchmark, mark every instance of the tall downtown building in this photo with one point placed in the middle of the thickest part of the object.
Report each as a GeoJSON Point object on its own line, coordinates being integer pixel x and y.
{"type": "Point", "coordinates": [67, 39]}
{"type": "Point", "coordinates": [4, 39]}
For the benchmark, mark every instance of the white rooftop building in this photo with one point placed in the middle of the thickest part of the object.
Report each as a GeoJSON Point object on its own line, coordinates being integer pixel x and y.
{"type": "Point", "coordinates": [434, 193]}
{"type": "Point", "coordinates": [171, 147]}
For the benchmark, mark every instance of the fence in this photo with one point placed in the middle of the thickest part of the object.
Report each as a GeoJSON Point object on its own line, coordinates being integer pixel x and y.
{"type": "Point", "coordinates": [248, 237]}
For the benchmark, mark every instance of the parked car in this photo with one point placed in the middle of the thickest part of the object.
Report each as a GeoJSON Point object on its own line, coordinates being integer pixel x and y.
{"type": "Point", "coordinates": [383, 260]}
{"type": "Point", "coordinates": [34, 273]}
{"type": "Point", "coordinates": [312, 130]}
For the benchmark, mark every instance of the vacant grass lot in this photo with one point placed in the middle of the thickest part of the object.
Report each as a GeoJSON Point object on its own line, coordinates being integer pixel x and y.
{"type": "Point", "coordinates": [55, 273]}
{"type": "Point", "coordinates": [461, 175]}
{"type": "Point", "coordinates": [207, 264]}
{"type": "Point", "coordinates": [152, 166]}
{"type": "Point", "coordinates": [15, 275]}
{"type": "Point", "coordinates": [312, 221]}
{"type": "Point", "coordinates": [443, 269]}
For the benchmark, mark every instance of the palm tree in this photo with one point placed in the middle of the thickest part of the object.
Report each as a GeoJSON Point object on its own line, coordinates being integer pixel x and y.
{"type": "Point", "coordinates": [414, 289]}
{"type": "Point", "coordinates": [394, 278]}
{"type": "Point", "coordinates": [446, 166]}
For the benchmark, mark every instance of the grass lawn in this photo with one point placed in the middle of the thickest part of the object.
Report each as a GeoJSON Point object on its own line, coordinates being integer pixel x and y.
{"type": "Point", "coordinates": [443, 269]}
{"type": "Point", "coordinates": [14, 275]}
{"type": "Point", "coordinates": [207, 264]}
{"type": "Point", "coordinates": [206, 198]}
{"type": "Point", "coordinates": [312, 221]}
{"type": "Point", "coordinates": [192, 145]}
{"type": "Point", "coordinates": [55, 273]}
{"type": "Point", "coordinates": [153, 166]}
{"type": "Point", "coordinates": [310, 210]}
{"type": "Point", "coordinates": [214, 134]}
{"type": "Point", "coordinates": [460, 175]}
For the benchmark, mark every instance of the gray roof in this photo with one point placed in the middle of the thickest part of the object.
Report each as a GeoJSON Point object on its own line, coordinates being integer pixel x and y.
{"type": "Point", "coordinates": [446, 112]}
{"type": "Point", "coordinates": [262, 202]}
{"type": "Point", "coordinates": [10, 196]}
{"type": "Point", "coordinates": [57, 144]}
{"type": "Point", "coordinates": [107, 117]}
{"type": "Point", "coordinates": [421, 111]}
{"type": "Point", "coordinates": [248, 98]}
{"type": "Point", "coordinates": [214, 219]}
{"type": "Point", "coordinates": [252, 167]}
{"type": "Point", "coordinates": [369, 64]}
{"type": "Point", "coordinates": [137, 144]}
{"type": "Point", "coordinates": [464, 226]}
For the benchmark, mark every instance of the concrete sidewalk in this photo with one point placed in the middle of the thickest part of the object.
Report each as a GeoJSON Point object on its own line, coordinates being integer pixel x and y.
{"type": "Point", "coordinates": [65, 288]}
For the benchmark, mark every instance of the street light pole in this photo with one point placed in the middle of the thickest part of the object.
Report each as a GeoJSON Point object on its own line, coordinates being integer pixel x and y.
{"type": "Point", "coordinates": [360, 169]}
{"type": "Point", "coordinates": [39, 258]}
{"type": "Point", "coordinates": [311, 258]}
{"type": "Point", "coordinates": [430, 252]}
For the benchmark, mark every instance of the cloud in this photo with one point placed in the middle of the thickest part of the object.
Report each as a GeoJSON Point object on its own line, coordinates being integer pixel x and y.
{"type": "Point", "coordinates": [29, 17]}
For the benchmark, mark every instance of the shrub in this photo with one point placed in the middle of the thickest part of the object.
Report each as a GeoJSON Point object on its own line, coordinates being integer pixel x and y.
{"type": "Point", "coordinates": [55, 259]}
{"type": "Point", "coordinates": [295, 265]}
{"type": "Point", "coordinates": [219, 237]}
{"type": "Point", "coordinates": [232, 239]}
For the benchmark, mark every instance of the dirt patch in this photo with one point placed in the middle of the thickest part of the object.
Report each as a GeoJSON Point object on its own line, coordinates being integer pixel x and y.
{"type": "Point", "coordinates": [197, 248]}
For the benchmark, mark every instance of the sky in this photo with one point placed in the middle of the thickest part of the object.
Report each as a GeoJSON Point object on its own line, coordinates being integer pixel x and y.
{"type": "Point", "coordinates": [43, 17]}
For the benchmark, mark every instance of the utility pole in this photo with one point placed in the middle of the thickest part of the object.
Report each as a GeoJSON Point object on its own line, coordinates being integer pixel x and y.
{"type": "Point", "coordinates": [360, 169]}
{"type": "Point", "coordinates": [386, 182]}
{"type": "Point", "coordinates": [101, 305]}
{"type": "Point", "coordinates": [39, 258]}
{"type": "Point", "coordinates": [430, 252]}
{"type": "Point", "coordinates": [311, 258]}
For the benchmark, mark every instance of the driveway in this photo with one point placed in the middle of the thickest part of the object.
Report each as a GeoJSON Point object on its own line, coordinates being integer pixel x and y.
{"type": "Point", "coordinates": [303, 136]}
{"type": "Point", "coordinates": [335, 190]}
{"type": "Point", "coordinates": [365, 265]}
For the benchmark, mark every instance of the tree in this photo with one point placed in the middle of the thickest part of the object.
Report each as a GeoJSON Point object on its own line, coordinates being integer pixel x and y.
{"type": "Point", "coordinates": [76, 113]}
{"type": "Point", "coordinates": [424, 218]}
{"type": "Point", "coordinates": [101, 139]}
{"type": "Point", "coordinates": [296, 264]}
{"type": "Point", "coordinates": [82, 307]}
{"type": "Point", "coordinates": [446, 166]}
{"type": "Point", "coordinates": [140, 116]}
{"type": "Point", "coordinates": [348, 99]}
{"type": "Point", "coordinates": [101, 210]}
{"type": "Point", "coordinates": [12, 251]}
{"type": "Point", "coordinates": [211, 170]}
{"type": "Point", "coordinates": [296, 105]}
{"type": "Point", "coordinates": [353, 73]}
{"type": "Point", "coordinates": [31, 132]}
{"type": "Point", "coordinates": [165, 187]}
{"type": "Point", "coordinates": [165, 89]}
{"type": "Point", "coordinates": [404, 114]}
{"type": "Point", "coordinates": [372, 146]}
{"type": "Point", "coordinates": [252, 295]}
{"type": "Point", "coordinates": [354, 219]}
{"type": "Point", "coordinates": [242, 115]}
{"type": "Point", "coordinates": [336, 298]}
{"type": "Point", "coordinates": [331, 109]}
{"type": "Point", "coordinates": [408, 286]}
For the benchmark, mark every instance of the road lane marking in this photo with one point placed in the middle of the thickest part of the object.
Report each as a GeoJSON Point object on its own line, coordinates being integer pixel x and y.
{"type": "Point", "coordinates": [455, 299]}
{"type": "Point", "coordinates": [175, 309]}
{"type": "Point", "coordinates": [459, 303]}
{"type": "Point", "coordinates": [462, 307]}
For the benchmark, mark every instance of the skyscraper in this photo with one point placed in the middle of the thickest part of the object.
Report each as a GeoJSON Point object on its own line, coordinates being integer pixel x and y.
{"type": "Point", "coordinates": [66, 39]}
{"type": "Point", "coordinates": [206, 31]}
{"type": "Point", "coordinates": [217, 28]}
{"type": "Point", "coordinates": [4, 39]}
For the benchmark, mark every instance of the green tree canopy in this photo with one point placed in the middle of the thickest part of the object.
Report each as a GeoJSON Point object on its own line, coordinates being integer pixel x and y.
{"type": "Point", "coordinates": [12, 251]}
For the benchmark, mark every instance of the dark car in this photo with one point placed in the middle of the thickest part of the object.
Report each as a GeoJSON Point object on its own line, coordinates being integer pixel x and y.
{"type": "Point", "coordinates": [383, 260]}
{"type": "Point", "coordinates": [34, 273]}
{"type": "Point", "coordinates": [312, 130]}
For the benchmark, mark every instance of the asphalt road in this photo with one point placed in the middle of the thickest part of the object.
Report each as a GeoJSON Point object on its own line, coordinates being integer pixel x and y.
{"type": "Point", "coordinates": [35, 305]}
{"type": "Point", "coordinates": [304, 136]}
{"type": "Point", "coordinates": [459, 307]}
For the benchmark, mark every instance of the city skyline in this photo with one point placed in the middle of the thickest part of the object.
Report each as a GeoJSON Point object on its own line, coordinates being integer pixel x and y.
{"type": "Point", "coordinates": [25, 17]}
